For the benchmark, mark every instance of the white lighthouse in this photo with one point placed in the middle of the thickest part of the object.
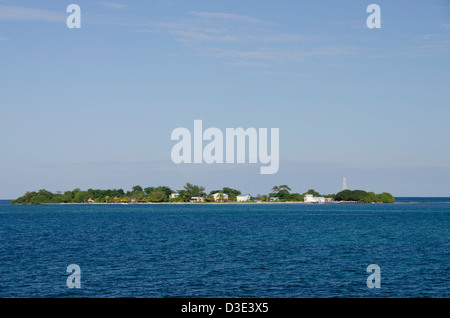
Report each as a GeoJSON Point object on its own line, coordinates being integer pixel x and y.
{"type": "Point", "coordinates": [344, 184]}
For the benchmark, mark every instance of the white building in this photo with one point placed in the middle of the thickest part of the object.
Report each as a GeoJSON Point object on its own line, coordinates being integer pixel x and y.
{"type": "Point", "coordinates": [309, 198]}
{"type": "Point", "coordinates": [243, 198]}
{"type": "Point", "coordinates": [220, 197]}
{"type": "Point", "coordinates": [197, 199]}
{"type": "Point", "coordinates": [174, 196]}
{"type": "Point", "coordinates": [320, 199]}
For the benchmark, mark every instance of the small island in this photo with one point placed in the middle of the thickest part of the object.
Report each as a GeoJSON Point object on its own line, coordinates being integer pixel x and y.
{"type": "Point", "coordinates": [196, 194]}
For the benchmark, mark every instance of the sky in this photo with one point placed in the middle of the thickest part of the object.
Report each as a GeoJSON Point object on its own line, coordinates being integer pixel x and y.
{"type": "Point", "coordinates": [95, 107]}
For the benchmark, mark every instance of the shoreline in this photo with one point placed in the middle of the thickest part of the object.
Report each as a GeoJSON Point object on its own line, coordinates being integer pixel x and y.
{"type": "Point", "coordinates": [205, 203]}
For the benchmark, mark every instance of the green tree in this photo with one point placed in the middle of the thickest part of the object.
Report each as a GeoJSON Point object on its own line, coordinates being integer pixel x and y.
{"type": "Point", "coordinates": [81, 196]}
{"type": "Point", "coordinates": [363, 196]}
{"type": "Point", "coordinates": [137, 193]}
{"type": "Point", "coordinates": [281, 192]}
{"type": "Point", "coordinates": [313, 192]}
{"type": "Point", "coordinates": [296, 197]}
{"type": "Point", "coordinates": [359, 195]}
{"type": "Point", "coordinates": [148, 190]}
{"type": "Point", "coordinates": [369, 198]}
{"type": "Point", "coordinates": [19, 200]}
{"type": "Point", "coordinates": [185, 196]}
{"type": "Point", "coordinates": [67, 196]}
{"type": "Point", "coordinates": [284, 187]}
{"type": "Point", "coordinates": [137, 190]}
{"type": "Point", "coordinates": [168, 191]}
{"type": "Point", "coordinates": [157, 195]}
{"type": "Point", "coordinates": [386, 197]}
{"type": "Point", "coordinates": [232, 193]}
{"type": "Point", "coordinates": [344, 195]}
{"type": "Point", "coordinates": [351, 195]}
{"type": "Point", "coordinates": [194, 190]}
{"type": "Point", "coordinates": [284, 195]}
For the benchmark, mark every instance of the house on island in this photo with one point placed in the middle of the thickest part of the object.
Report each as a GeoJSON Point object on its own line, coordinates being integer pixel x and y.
{"type": "Point", "coordinates": [243, 198]}
{"type": "Point", "coordinates": [197, 199]}
{"type": "Point", "coordinates": [220, 197]}
{"type": "Point", "coordinates": [309, 198]}
{"type": "Point", "coordinates": [274, 199]}
{"type": "Point", "coordinates": [174, 196]}
{"type": "Point", "coordinates": [90, 200]}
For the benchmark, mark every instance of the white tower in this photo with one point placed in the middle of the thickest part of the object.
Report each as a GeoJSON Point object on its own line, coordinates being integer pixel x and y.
{"type": "Point", "coordinates": [344, 184]}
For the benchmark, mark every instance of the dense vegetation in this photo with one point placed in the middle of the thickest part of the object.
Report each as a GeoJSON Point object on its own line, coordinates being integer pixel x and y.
{"type": "Point", "coordinates": [163, 194]}
{"type": "Point", "coordinates": [138, 194]}
{"type": "Point", "coordinates": [363, 196]}
{"type": "Point", "coordinates": [232, 193]}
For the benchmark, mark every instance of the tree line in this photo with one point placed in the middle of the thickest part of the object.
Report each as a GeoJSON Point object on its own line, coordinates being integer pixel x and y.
{"type": "Point", "coordinates": [364, 197]}
{"type": "Point", "coordinates": [139, 194]}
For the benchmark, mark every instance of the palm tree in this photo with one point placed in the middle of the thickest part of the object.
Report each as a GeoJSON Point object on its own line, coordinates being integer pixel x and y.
{"type": "Point", "coordinates": [284, 187]}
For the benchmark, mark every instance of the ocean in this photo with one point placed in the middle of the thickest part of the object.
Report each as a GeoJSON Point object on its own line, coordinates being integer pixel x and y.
{"type": "Point", "coordinates": [227, 250]}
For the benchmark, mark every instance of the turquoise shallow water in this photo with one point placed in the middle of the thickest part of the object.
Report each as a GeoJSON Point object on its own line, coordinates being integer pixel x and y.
{"type": "Point", "coordinates": [245, 250]}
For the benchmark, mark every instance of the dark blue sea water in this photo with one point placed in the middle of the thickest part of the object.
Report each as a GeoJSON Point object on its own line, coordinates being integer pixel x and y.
{"type": "Point", "coordinates": [246, 250]}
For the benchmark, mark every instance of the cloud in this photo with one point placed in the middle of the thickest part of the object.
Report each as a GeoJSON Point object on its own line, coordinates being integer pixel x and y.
{"type": "Point", "coordinates": [250, 64]}
{"type": "Point", "coordinates": [14, 13]}
{"type": "Point", "coordinates": [446, 26]}
{"type": "Point", "coordinates": [226, 16]}
{"type": "Point", "coordinates": [113, 5]}
{"type": "Point", "coordinates": [290, 54]}
{"type": "Point", "coordinates": [250, 42]}
{"type": "Point", "coordinates": [2, 38]}
{"type": "Point", "coordinates": [149, 31]}
{"type": "Point", "coordinates": [198, 36]}
{"type": "Point", "coordinates": [237, 39]}
{"type": "Point", "coordinates": [203, 27]}
{"type": "Point", "coordinates": [428, 45]}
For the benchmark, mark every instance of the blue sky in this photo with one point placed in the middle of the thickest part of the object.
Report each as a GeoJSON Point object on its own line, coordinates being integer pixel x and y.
{"type": "Point", "coordinates": [95, 107]}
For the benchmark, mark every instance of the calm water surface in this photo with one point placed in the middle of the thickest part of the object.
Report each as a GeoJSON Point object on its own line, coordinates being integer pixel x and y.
{"type": "Point", "coordinates": [245, 250]}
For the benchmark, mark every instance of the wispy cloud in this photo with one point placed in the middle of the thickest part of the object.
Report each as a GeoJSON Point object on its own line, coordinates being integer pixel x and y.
{"type": "Point", "coordinates": [196, 36]}
{"type": "Point", "coordinates": [250, 64]}
{"type": "Point", "coordinates": [226, 16]}
{"type": "Point", "coordinates": [2, 38]}
{"type": "Point", "coordinates": [288, 54]}
{"type": "Point", "coordinates": [15, 13]}
{"type": "Point", "coordinates": [427, 45]}
{"type": "Point", "coordinates": [203, 27]}
{"type": "Point", "coordinates": [113, 5]}
{"type": "Point", "coordinates": [246, 41]}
